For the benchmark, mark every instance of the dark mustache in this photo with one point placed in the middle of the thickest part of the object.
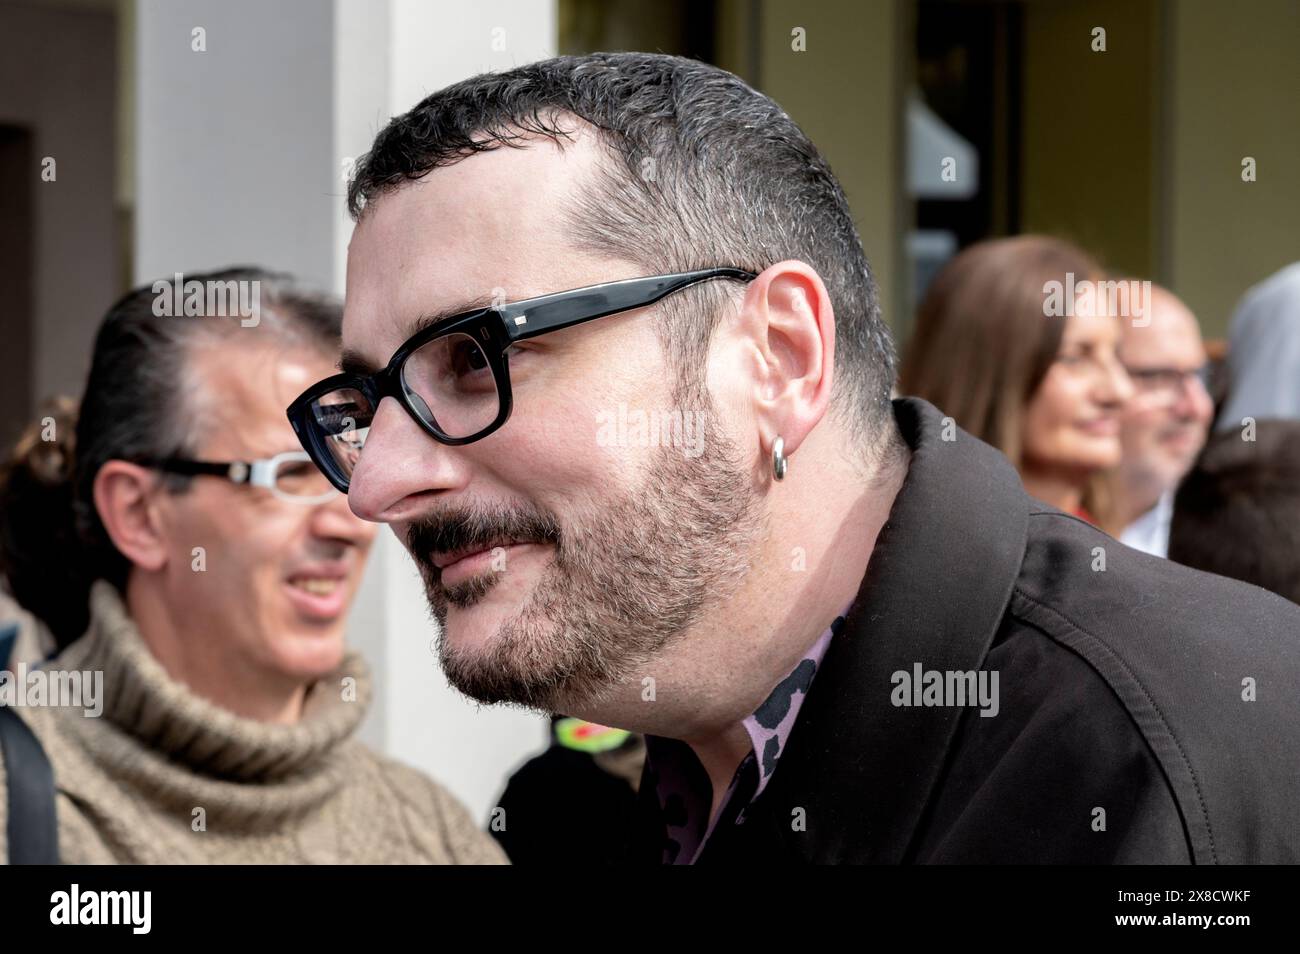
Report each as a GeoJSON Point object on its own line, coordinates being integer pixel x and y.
{"type": "Point", "coordinates": [476, 528]}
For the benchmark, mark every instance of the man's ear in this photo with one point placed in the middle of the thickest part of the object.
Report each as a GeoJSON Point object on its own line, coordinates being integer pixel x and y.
{"type": "Point", "coordinates": [795, 336]}
{"type": "Point", "coordinates": [124, 497]}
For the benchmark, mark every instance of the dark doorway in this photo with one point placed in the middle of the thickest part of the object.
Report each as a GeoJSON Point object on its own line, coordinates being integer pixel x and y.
{"type": "Point", "coordinates": [968, 57]}
{"type": "Point", "coordinates": [18, 175]}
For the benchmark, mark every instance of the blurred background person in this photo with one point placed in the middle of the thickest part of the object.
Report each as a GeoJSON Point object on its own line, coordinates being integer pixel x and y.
{"type": "Point", "coordinates": [577, 800]}
{"type": "Point", "coordinates": [179, 542]}
{"type": "Point", "coordinates": [1044, 388]}
{"type": "Point", "coordinates": [25, 637]}
{"type": "Point", "coordinates": [1164, 425]}
{"type": "Point", "coordinates": [1237, 513]}
{"type": "Point", "coordinates": [1264, 353]}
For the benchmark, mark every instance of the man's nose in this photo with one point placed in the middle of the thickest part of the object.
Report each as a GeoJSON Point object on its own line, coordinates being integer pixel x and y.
{"type": "Point", "coordinates": [399, 466]}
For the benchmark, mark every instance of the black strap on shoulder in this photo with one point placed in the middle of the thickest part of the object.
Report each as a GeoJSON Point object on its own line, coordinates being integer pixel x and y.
{"type": "Point", "coordinates": [33, 825]}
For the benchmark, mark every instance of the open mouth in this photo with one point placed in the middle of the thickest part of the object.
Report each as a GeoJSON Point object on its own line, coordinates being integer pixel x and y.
{"type": "Point", "coordinates": [316, 585]}
{"type": "Point", "coordinates": [318, 594]}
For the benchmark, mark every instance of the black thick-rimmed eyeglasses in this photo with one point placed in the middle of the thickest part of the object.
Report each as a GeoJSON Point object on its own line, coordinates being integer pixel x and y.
{"type": "Point", "coordinates": [453, 377]}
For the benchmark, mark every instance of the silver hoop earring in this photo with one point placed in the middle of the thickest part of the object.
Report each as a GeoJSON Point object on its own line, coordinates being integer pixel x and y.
{"type": "Point", "coordinates": [779, 460]}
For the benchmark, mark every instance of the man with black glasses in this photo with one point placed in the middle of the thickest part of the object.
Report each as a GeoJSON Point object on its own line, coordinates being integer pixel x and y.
{"type": "Point", "coordinates": [845, 630]}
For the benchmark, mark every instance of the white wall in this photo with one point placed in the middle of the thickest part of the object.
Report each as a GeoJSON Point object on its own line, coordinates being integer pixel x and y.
{"type": "Point", "coordinates": [241, 153]}
{"type": "Point", "coordinates": [234, 144]}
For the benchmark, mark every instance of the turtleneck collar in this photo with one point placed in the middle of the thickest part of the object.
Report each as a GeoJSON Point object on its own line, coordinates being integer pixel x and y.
{"type": "Point", "coordinates": [169, 719]}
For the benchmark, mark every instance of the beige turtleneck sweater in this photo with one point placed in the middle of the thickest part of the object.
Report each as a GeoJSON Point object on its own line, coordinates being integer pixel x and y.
{"type": "Point", "coordinates": [129, 782]}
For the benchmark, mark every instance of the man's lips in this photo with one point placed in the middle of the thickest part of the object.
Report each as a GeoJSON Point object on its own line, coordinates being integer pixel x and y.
{"type": "Point", "coordinates": [446, 559]}
{"type": "Point", "coordinates": [462, 565]}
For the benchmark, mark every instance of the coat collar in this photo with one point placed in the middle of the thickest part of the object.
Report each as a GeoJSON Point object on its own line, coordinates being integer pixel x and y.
{"type": "Point", "coordinates": [935, 591]}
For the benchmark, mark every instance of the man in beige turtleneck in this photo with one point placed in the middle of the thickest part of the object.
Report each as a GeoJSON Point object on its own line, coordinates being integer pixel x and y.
{"type": "Point", "coordinates": [230, 702]}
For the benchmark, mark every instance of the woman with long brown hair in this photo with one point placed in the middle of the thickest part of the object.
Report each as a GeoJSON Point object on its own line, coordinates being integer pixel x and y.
{"type": "Point", "coordinates": [1014, 342]}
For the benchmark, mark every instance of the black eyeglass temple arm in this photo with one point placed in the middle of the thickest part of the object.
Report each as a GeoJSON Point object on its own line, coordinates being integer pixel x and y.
{"type": "Point", "coordinates": [237, 471]}
{"type": "Point", "coordinates": [537, 316]}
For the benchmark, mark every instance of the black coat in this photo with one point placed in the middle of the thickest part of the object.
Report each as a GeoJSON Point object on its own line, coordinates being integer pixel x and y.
{"type": "Point", "coordinates": [1122, 691]}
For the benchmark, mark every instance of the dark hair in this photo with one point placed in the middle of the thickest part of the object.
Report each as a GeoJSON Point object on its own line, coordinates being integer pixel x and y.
{"type": "Point", "coordinates": [138, 403]}
{"type": "Point", "coordinates": [1237, 513]}
{"type": "Point", "coordinates": [983, 343]}
{"type": "Point", "coordinates": [707, 172]}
